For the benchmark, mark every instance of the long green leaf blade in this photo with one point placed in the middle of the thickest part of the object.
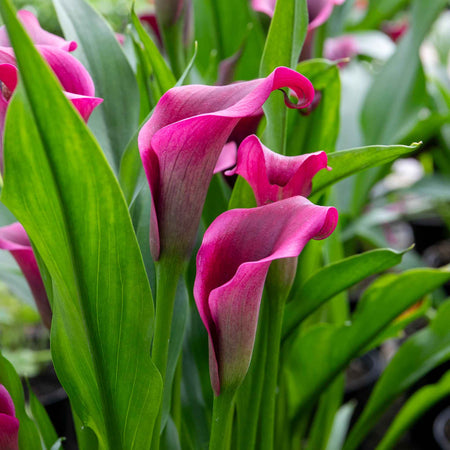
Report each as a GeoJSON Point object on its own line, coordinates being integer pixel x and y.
{"type": "Point", "coordinates": [333, 279]}
{"type": "Point", "coordinates": [78, 222]}
{"type": "Point", "coordinates": [117, 118]}
{"type": "Point", "coordinates": [348, 162]}
{"type": "Point", "coordinates": [283, 45]}
{"type": "Point", "coordinates": [406, 94]}
{"type": "Point", "coordinates": [414, 408]}
{"type": "Point", "coordinates": [418, 355]}
{"type": "Point", "coordinates": [322, 353]}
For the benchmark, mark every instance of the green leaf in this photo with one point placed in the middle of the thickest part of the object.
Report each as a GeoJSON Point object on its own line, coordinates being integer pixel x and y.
{"type": "Point", "coordinates": [406, 94]}
{"type": "Point", "coordinates": [348, 162]}
{"type": "Point", "coordinates": [178, 328]}
{"type": "Point", "coordinates": [222, 27]}
{"type": "Point", "coordinates": [28, 434]}
{"type": "Point", "coordinates": [163, 75]}
{"type": "Point", "coordinates": [217, 199]}
{"type": "Point", "coordinates": [418, 355]}
{"type": "Point", "coordinates": [379, 11]}
{"type": "Point", "coordinates": [414, 408]}
{"type": "Point", "coordinates": [319, 129]}
{"type": "Point", "coordinates": [242, 195]}
{"type": "Point", "coordinates": [42, 420]}
{"type": "Point", "coordinates": [79, 224]}
{"type": "Point", "coordinates": [283, 46]}
{"type": "Point", "coordinates": [322, 353]}
{"type": "Point", "coordinates": [333, 279]}
{"type": "Point", "coordinates": [117, 118]}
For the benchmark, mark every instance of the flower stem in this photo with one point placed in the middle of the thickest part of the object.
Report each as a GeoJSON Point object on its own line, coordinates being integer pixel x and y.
{"type": "Point", "coordinates": [167, 275]}
{"type": "Point", "coordinates": [222, 421]}
{"type": "Point", "coordinates": [276, 298]}
{"type": "Point", "coordinates": [250, 392]}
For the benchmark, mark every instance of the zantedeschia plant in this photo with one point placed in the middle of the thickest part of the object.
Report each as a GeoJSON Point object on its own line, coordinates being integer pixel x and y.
{"type": "Point", "coordinates": [75, 80]}
{"type": "Point", "coordinates": [232, 264]}
{"type": "Point", "coordinates": [182, 243]}
{"type": "Point", "coordinates": [182, 141]}
{"type": "Point", "coordinates": [273, 176]}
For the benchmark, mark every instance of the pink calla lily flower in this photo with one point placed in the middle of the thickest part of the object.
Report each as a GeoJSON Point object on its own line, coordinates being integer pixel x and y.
{"type": "Point", "coordinates": [339, 48]}
{"type": "Point", "coordinates": [227, 158]}
{"type": "Point", "coordinates": [15, 239]}
{"type": "Point", "coordinates": [181, 144]}
{"type": "Point", "coordinates": [9, 424]}
{"type": "Point", "coordinates": [318, 10]}
{"type": "Point", "coordinates": [273, 176]}
{"type": "Point", "coordinates": [74, 78]}
{"type": "Point", "coordinates": [38, 35]}
{"type": "Point", "coordinates": [232, 265]}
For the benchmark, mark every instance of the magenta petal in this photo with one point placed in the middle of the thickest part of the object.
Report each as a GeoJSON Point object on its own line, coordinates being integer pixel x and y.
{"type": "Point", "coordinates": [182, 141]}
{"type": "Point", "coordinates": [6, 403]}
{"type": "Point", "coordinates": [70, 72]}
{"type": "Point", "coordinates": [319, 11]}
{"type": "Point", "coordinates": [264, 6]}
{"type": "Point", "coordinates": [340, 47]}
{"type": "Point", "coordinates": [37, 34]}
{"type": "Point", "coordinates": [15, 239]}
{"type": "Point", "coordinates": [273, 176]}
{"type": "Point", "coordinates": [232, 264]}
{"type": "Point", "coordinates": [9, 425]}
{"type": "Point", "coordinates": [227, 157]}
{"type": "Point", "coordinates": [84, 104]}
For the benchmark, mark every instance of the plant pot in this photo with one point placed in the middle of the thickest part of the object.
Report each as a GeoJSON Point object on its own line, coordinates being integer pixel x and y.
{"type": "Point", "coordinates": [441, 429]}
{"type": "Point", "coordinates": [53, 397]}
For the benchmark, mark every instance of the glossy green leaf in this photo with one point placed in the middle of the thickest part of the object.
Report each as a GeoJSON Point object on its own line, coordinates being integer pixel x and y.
{"type": "Point", "coordinates": [28, 434]}
{"type": "Point", "coordinates": [418, 355]}
{"type": "Point", "coordinates": [333, 279]}
{"type": "Point", "coordinates": [42, 420]}
{"type": "Point", "coordinates": [78, 222]}
{"type": "Point", "coordinates": [322, 353]}
{"type": "Point", "coordinates": [319, 129]}
{"type": "Point", "coordinates": [349, 162]}
{"type": "Point", "coordinates": [117, 118]}
{"type": "Point", "coordinates": [406, 95]}
{"type": "Point", "coordinates": [414, 408]}
{"type": "Point", "coordinates": [283, 46]}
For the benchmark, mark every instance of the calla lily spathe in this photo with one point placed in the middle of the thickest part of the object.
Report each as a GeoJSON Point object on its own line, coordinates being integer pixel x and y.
{"type": "Point", "coordinates": [232, 265]}
{"type": "Point", "coordinates": [181, 144]}
{"type": "Point", "coordinates": [9, 424]}
{"type": "Point", "coordinates": [76, 82]}
{"type": "Point", "coordinates": [273, 176]}
{"type": "Point", "coordinates": [15, 239]}
{"type": "Point", "coordinates": [38, 35]}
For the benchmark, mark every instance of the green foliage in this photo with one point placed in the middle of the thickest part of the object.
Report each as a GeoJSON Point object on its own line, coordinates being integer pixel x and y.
{"type": "Point", "coordinates": [82, 230]}
{"type": "Point", "coordinates": [283, 45]}
{"type": "Point", "coordinates": [116, 119]}
{"type": "Point", "coordinates": [417, 356]}
{"type": "Point", "coordinates": [322, 352]}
